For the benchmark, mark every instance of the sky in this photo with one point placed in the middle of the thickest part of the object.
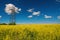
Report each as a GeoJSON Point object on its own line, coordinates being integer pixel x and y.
{"type": "Point", "coordinates": [32, 11]}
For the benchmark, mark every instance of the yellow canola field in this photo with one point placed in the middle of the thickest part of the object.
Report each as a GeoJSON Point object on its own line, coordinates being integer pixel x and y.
{"type": "Point", "coordinates": [30, 32]}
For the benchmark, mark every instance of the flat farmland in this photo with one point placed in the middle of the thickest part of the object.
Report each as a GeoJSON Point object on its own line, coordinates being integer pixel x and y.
{"type": "Point", "coordinates": [30, 32]}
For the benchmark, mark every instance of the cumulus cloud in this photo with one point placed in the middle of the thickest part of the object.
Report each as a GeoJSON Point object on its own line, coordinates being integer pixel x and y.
{"type": "Point", "coordinates": [30, 10]}
{"type": "Point", "coordinates": [47, 16]}
{"type": "Point", "coordinates": [36, 13]}
{"type": "Point", "coordinates": [30, 16]}
{"type": "Point", "coordinates": [0, 16]}
{"type": "Point", "coordinates": [10, 8]}
{"type": "Point", "coordinates": [17, 10]}
{"type": "Point", "coordinates": [58, 0]}
{"type": "Point", "coordinates": [58, 17]}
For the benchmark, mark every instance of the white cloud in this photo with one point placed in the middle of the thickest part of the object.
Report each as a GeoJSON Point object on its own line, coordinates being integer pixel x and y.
{"type": "Point", "coordinates": [10, 8]}
{"type": "Point", "coordinates": [30, 10]}
{"type": "Point", "coordinates": [0, 16]}
{"type": "Point", "coordinates": [36, 13]}
{"type": "Point", "coordinates": [30, 16]}
{"type": "Point", "coordinates": [17, 10]}
{"type": "Point", "coordinates": [58, 0]}
{"type": "Point", "coordinates": [47, 16]}
{"type": "Point", "coordinates": [58, 17]}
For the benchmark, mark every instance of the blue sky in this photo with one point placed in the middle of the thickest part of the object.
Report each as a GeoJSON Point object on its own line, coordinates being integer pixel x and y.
{"type": "Point", "coordinates": [48, 11]}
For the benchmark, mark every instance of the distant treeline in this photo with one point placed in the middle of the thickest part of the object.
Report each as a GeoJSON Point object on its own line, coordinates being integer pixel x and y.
{"type": "Point", "coordinates": [8, 24]}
